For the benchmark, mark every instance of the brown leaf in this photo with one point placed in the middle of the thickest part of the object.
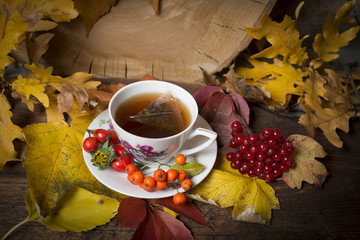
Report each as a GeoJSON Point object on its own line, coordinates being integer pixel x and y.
{"type": "Point", "coordinates": [104, 92]}
{"type": "Point", "coordinates": [38, 47]}
{"type": "Point", "coordinates": [91, 10]}
{"type": "Point", "coordinates": [156, 5]}
{"type": "Point", "coordinates": [306, 167]}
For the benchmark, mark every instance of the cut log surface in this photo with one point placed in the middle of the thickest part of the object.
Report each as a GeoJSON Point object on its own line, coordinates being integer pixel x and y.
{"type": "Point", "coordinates": [131, 40]}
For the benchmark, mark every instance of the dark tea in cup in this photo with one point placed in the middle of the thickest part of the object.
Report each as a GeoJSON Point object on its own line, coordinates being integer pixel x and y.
{"type": "Point", "coordinates": [153, 115]}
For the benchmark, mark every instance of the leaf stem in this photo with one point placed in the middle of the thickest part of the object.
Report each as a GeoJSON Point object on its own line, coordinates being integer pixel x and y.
{"type": "Point", "coordinates": [15, 227]}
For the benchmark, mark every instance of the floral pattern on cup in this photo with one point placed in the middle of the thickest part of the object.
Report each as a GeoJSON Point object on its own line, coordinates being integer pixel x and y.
{"type": "Point", "coordinates": [144, 152]}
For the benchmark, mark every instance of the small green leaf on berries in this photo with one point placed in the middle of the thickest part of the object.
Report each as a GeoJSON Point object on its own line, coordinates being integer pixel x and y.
{"type": "Point", "coordinates": [191, 168]}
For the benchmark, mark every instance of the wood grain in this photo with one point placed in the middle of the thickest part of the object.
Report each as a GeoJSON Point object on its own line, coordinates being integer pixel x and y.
{"type": "Point", "coordinates": [131, 41]}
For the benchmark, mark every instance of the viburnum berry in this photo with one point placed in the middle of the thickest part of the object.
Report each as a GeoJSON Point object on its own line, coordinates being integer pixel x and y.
{"type": "Point", "coordinates": [237, 127]}
{"type": "Point", "coordinates": [265, 155]}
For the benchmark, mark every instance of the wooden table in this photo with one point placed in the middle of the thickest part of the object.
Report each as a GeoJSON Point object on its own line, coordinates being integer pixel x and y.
{"type": "Point", "coordinates": [331, 212]}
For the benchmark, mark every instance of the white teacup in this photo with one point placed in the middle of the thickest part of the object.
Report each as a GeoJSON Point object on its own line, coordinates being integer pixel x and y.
{"type": "Point", "coordinates": [146, 150]}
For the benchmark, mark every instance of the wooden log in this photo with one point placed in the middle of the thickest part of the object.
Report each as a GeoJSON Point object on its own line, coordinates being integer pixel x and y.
{"type": "Point", "coordinates": [131, 40]}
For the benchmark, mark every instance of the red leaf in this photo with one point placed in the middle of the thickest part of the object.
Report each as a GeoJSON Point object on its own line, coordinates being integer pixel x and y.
{"type": "Point", "coordinates": [204, 93]}
{"type": "Point", "coordinates": [188, 210]}
{"type": "Point", "coordinates": [147, 228]}
{"type": "Point", "coordinates": [241, 106]}
{"type": "Point", "coordinates": [168, 227]}
{"type": "Point", "coordinates": [131, 212]}
{"type": "Point", "coordinates": [218, 108]}
{"type": "Point", "coordinates": [160, 225]}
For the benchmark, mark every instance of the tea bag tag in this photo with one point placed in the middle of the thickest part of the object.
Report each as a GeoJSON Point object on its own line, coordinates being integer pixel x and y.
{"type": "Point", "coordinates": [163, 114]}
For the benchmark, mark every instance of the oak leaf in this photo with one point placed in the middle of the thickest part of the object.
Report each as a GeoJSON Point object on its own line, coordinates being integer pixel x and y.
{"type": "Point", "coordinates": [306, 167]}
{"type": "Point", "coordinates": [328, 107]}
{"type": "Point", "coordinates": [12, 29]}
{"type": "Point", "coordinates": [91, 11]}
{"type": "Point", "coordinates": [72, 211]}
{"type": "Point", "coordinates": [284, 39]}
{"type": "Point", "coordinates": [9, 132]}
{"type": "Point", "coordinates": [39, 79]}
{"type": "Point", "coordinates": [327, 44]}
{"type": "Point", "coordinates": [281, 79]}
{"type": "Point", "coordinates": [53, 160]}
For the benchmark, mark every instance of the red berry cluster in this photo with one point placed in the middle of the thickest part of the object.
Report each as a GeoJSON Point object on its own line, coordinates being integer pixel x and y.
{"type": "Point", "coordinates": [265, 155]}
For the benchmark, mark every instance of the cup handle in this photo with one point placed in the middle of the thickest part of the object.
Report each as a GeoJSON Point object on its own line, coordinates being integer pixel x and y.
{"type": "Point", "coordinates": [200, 132]}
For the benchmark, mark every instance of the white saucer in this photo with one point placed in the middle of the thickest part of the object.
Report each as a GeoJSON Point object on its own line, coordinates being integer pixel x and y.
{"type": "Point", "coordinates": [118, 181]}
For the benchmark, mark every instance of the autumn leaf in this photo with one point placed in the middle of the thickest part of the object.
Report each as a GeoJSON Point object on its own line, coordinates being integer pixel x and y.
{"type": "Point", "coordinates": [281, 79]}
{"type": "Point", "coordinates": [104, 92]}
{"type": "Point", "coordinates": [38, 46]}
{"type": "Point", "coordinates": [283, 37]}
{"type": "Point", "coordinates": [131, 212]}
{"type": "Point", "coordinates": [252, 198]}
{"type": "Point", "coordinates": [12, 29]}
{"type": "Point", "coordinates": [53, 160]}
{"type": "Point", "coordinates": [329, 111]}
{"type": "Point", "coordinates": [38, 79]}
{"type": "Point", "coordinates": [306, 167]}
{"type": "Point", "coordinates": [9, 132]}
{"type": "Point", "coordinates": [91, 11]}
{"type": "Point", "coordinates": [327, 44]}
{"type": "Point", "coordinates": [152, 223]}
{"type": "Point", "coordinates": [156, 5]}
{"type": "Point", "coordinates": [72, 211]}
{"type": "Point", "coordinates": [188, 210]}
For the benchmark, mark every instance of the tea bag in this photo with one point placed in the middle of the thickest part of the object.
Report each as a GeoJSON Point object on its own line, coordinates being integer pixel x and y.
{"type": "Point", "coordinates": [163, 114]}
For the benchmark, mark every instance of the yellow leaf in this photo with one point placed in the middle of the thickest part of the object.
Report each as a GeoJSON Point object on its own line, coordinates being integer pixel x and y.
{"type": "Point", "coordinates": [58, 11]}
{"type": "Point", "coordinates": [35, 82]}
{"type": "Point", "coordinates": [9, 132]}
{"type": "Point", "coordinates": [12, 33]}
{"type": "Point", "coordinates": [53, 160]}
{"type": "Point", "coordinates": [52, 112]}
{"type": "Point", "coordinates": [258, 197]}
{"type": "Point", "coordinates": [78, 210]}
{"type": "Point", "coordinates": [28, 102]}
{"type": "Point", "coordinates": [281, 79]}
{"type": "Point", "coordinates": [31, 86]}
{"type": "Point", "coordinates": [327, 44]}
{"type": "Point", "coordinates": [91, 10]}
{"type": "Point", "coordinates": [227, 188]}
{"type": "Point", "coordinates": [330, 113]}
{"type": "Point", "coordinates": [283, 37]}
{"type": "Point", "coordinates": [306, 167]}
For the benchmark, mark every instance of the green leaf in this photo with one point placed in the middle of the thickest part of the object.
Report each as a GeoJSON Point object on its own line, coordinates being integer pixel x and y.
{"type": "Point", "coordinates": [191, 168]}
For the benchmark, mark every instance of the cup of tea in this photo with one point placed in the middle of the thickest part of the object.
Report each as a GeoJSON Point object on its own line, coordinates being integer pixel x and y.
{"type": "Point", "coordinates": [154, 119]}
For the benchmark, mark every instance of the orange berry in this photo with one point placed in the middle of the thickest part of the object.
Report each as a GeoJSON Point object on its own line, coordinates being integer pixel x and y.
{"type": "Point", "coordinates": [180, 159]}
{"type": "Point", "coordinates": [181, 175]}
{"type": "Point", "coordinates": [137, 177]}
{"type": "Point", "coordinates": [149, 184]}
{"type": "Point", "coordinates": [161, 185]}
{"type": "Point", "coordinates": [171, 175]}
{"type": "Point", "coordinates": [130, 168]}
{"type": "Point", "coordinates": [186, 184]}
{"type": "Point", "coordinates": [179, 198]}
{"type": "Point", "coordinates": [160, 175]}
